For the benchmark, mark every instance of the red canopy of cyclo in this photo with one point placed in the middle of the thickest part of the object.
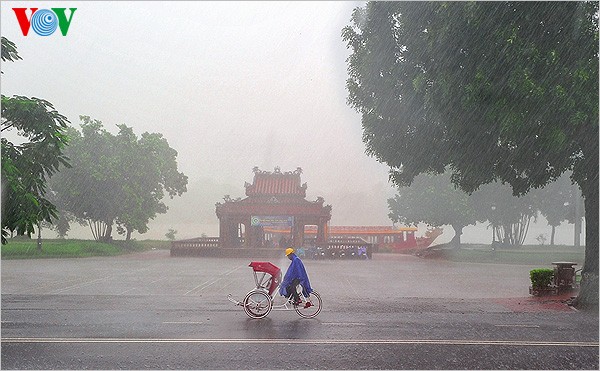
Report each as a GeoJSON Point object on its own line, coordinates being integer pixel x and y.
{"type": "Point", "coordinates": [266, 267]}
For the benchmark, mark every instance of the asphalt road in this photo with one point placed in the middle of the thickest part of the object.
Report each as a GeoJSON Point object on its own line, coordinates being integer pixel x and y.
{"type": "Point", "coordinates": [151, 311]}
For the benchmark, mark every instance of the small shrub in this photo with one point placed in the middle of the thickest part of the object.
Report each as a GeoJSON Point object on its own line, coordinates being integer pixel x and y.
{"type": "Point", "coordinates": [541, 239]}
{"type": "Point", "coordinates": [541, 277]}
{"type": "Point", "coordinates": [171, 234]}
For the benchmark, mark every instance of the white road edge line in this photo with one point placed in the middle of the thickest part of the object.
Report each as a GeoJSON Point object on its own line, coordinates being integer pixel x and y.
{"type": "Point", "coordinates": [344, 323]}
{"type": "Point", "coordinates": [310, 341]}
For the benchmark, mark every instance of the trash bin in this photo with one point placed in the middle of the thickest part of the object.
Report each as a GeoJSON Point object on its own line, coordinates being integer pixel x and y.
{"type": "Point", "coordinates": [564, 275]}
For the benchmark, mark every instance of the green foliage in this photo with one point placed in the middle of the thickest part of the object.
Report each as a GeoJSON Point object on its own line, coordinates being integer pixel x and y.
{"type": "Point", "coordinates": [9, 51]}
{"type": "Point", "coordinates": [541, 277]}
{"type": "Point", "coordinates": [434, 200]}
{"type": "Point", "coordinates": [27, 166]}
{"type": "Point", "coordinates": [504, 91]}
{"type": "Point", "coordinates": [62, 224]}
{"type": "Point", "coordinates": [119, 178]}
{"type": "Point", "coordinates": [496, 90]}
{"type": "Point", "coordinates": [559, 201]}
{"type": "Point", "coordinates": [541, 238]}
{"type": "Point", "coordinates": [171, 234]}
{"type": "Point", "coordinates": [509, 216]}
{"type": "Point", "coordinates": [556, 201]}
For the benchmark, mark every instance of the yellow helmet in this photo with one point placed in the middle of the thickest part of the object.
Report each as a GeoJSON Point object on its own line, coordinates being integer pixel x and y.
{"type": "Point", "coordinates": [288, 251]}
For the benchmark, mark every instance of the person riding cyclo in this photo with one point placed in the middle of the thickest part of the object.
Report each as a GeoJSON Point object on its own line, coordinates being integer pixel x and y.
{"type": "Point", "coordinates": [295, 275]}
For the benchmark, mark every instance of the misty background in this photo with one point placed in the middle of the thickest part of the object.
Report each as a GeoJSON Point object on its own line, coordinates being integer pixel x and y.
{"type": "Point", "coordinates": [230, 85]}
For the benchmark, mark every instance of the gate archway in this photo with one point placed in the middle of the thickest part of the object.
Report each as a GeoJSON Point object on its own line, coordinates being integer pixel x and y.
{"type": "Point", "coordinates": [272, 198]}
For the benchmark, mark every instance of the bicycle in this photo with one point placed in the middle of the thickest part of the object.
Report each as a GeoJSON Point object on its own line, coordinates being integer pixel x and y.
{"type": "Point", "coordinates": [259, 302]}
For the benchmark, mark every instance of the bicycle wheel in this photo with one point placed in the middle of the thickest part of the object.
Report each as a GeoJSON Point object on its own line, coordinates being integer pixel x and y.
{"type": "Point", "coordinates": [257, 304]}
{"type": "Point", "coordinates": [309, 311]}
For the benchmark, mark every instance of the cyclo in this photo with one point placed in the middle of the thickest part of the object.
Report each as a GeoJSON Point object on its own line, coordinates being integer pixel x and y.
{"type": "Point", "coordinates": [259, 302]}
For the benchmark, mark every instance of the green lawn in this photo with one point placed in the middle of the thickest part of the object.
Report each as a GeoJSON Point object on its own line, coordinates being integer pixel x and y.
{"type": "Point", "coordinates": [542, 255]}
{"type": "Point", "coordinates": [20, 248]}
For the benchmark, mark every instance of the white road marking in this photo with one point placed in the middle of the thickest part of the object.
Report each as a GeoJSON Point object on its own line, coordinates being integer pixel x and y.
{"type": "Point", "coordinates": [183, 322]}
{"type": "Point", "coordinates": [80, 285]}
{"type": "Point", "coordinates": [135, 288]}
{"type": "Point", "coordinates": [209, 283]}
{"type": "Point", "coordinates": [345, 323]}
{"type": "Point", "coordinates": [42, 288]}
{"type": "Point", "coordinates": [352, 287]}
{"type": "Point", "coordinates": [92, 282]}
{"type": "Point", "coordinates": [311, 341]}
{"type": "Point", "coordinates": [527, 326]}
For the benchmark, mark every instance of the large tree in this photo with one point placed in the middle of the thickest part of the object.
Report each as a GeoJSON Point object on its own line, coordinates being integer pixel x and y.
{"type": "Point", "coordinates": [150, 166]}
{"type": "Point", "coordinates": [556, 202]}
{"type": "Point", "coordinates": [117, 179]}
{"type": "Point", "coordinates": [504, 91]}
{"type": "Point", "coordinates": [433, 200]}
{"type": "Point", "coordinates": [26, 166]}
{"type": "Point", "coordinates": [508, 216]}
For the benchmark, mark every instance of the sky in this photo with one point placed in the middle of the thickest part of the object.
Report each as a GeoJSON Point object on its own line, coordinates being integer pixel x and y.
{"type": "Point", "coordinates": [230, 85]}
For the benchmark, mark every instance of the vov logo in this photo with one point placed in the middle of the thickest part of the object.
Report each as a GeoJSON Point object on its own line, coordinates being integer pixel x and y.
{"type": "Point", "coordinates": [44, 21]}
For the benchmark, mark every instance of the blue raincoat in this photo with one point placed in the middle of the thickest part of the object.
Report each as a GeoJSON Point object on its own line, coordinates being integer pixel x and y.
{"type": "Point", "coordinates": [295, 270]}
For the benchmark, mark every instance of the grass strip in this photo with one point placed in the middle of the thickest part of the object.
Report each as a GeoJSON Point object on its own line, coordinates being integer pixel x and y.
{"type": "Point", "coordinates": [27, 249]}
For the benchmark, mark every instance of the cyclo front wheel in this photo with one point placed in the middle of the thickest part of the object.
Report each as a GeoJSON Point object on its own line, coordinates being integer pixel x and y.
{"type": "Point", "coordinates": [311, 306]}
{"type": "Point", "coordinates": [257, 304]}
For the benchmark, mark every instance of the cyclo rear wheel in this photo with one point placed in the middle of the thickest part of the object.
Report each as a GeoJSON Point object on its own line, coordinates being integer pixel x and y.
{"type": "Point", "coordinates": [315, 306]}
{"type": "Point", "coordinates": [257, 304]}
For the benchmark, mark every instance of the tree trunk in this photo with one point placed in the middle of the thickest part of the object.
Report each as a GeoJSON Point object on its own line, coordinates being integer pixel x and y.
{"type": "Point", "coordinates": [588, 294]}
{"type": "Point", "coordinates": [107, 237]}
{"type": "Point", "coordinates": [39, 239]}
{"type": "Point", "coordinates": [577, 234]}
{"type": "Point", "coordinates": [506, 234]}
{"type": "Point", "coordinates": [129, 230]}
{"type": "Point", "coordinates": [552, 236]}
{"type": "Point", "coordinates": [457, 233]}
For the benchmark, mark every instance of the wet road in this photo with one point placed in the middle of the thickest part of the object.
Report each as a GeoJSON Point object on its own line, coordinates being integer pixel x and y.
{"type": "Point", "coordinates": [150, 311]}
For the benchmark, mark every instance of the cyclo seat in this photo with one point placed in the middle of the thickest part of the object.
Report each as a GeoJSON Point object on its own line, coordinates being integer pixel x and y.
{"type": "Point", "coordinates": [270, 283]}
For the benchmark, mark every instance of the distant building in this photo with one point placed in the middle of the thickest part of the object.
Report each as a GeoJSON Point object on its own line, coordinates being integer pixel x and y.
{"type": "Point", "coordinates": [274, 200]}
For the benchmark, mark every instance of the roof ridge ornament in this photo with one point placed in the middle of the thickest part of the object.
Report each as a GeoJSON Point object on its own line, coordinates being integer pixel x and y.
{"type": "Point", "coordinates": [227, 198]}
{"type": "Point", "coordinates": [277, 170]}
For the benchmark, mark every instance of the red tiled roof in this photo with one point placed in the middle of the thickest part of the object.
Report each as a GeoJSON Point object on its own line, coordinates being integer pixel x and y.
{"type": "Point", "coordinates": [276, 184]}
{"type": "Point", "coordinates": [369, 229]}
{"type": "Point", "coordinates": [347, 230]}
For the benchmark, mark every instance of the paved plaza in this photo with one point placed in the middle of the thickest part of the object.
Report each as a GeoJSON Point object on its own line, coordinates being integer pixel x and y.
{"type": "Point", "coordinates": [152, 311]}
